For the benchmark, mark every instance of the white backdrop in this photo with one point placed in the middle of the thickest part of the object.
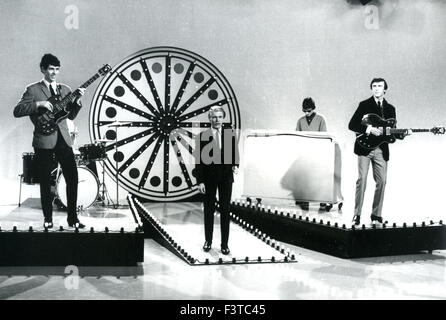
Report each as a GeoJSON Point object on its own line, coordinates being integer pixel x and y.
{"type": "Point", "coordinates": [274, 54]}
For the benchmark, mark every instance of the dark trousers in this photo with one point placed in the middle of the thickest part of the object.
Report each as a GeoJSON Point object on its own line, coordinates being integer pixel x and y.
{"type": "Point", "coordinates": [224, 187]}
{"type": "Point", "coordinates": [64, 155]}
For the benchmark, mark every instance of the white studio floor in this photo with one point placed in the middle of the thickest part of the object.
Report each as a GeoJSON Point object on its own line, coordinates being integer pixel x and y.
{"type": "Point", "coordinates": [163, 276]}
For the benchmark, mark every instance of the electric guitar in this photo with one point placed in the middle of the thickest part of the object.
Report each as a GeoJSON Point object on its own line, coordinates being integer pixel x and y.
{"type": "Point", "coordinates": [386, 125]}
{"type": "Point", "coordinates": [46, 122]}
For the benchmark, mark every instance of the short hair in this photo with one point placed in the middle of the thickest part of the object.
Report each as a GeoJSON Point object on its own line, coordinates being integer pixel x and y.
{"type": "Point", "coordinates": [308, 103]}
{"type": "Point", "coordinates": [379, 80]}
{"type": "Point", "coordinates": [216, 109]}
{"type": "Point", "coordinates": [49, 59]}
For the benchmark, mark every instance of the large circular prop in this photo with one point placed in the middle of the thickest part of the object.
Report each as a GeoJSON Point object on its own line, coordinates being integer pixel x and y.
{"type": "Point", "coordinates": [151, 107]}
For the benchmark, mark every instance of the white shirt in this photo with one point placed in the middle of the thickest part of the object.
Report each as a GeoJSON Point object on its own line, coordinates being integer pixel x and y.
{"type": "Point", "coordinates": [369, 127]}
{"type": "Point", "coordinates": [380, 100]}
{"type": "Point", "coordinates": [52, 84]}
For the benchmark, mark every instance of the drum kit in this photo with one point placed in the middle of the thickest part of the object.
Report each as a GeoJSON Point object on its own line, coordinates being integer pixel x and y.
{"type": "Point", "coordinates": [90, 190]}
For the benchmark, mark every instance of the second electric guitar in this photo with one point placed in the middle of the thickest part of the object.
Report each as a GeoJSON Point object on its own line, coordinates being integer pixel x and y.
{"type": "Point", "coordinates": [386, 125]}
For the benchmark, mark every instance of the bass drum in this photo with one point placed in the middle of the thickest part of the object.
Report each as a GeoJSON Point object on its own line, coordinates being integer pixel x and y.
{"type": "Point", "coordinates": [30, 173]}
{"type": "Point", "coordinates": [87, 188]}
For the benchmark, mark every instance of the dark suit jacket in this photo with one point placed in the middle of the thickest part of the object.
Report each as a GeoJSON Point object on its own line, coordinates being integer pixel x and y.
{"type": "Point", "coordinates": [365, 107]}
{"type": "Point", "coordinates": [210, 167]}
{"type": "Point", "coordinates": [27, 107]}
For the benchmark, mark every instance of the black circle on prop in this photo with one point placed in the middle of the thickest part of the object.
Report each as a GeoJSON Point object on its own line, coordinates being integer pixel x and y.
{"type": "Point", "coordinates": [136, 75]}
{"type": "Point", "coordinates": [176, 181]}
{"type": "Point", "coordinates": [134, 173]}
{"type": "Point", "coordinates": [157, 67]}
{"type": "Point", "coordinates": [194, 172]}
{"type": "Point", "coordinates": [155, 181]}
{"type": "Point", "coordinates": [213, 94]}
{"type": "Point", "coordinates": [110, 135]}
{"type": "Point", "coordinates": [119, 91]}
{"type": "Point", "coordinates": [110, 112]}
{"type": "Point", "coordinates": [118, 156]}
{"type": "Point", "coordinates": [178, 68]}
{"type": "Point", "coordinates": [198, 77]}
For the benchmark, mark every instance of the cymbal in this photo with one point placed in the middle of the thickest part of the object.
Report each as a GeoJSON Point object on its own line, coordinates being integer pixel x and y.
{"type": "Point", "coordinates": [118, 123]}
{"type": "Point", "coordinates": [103, 140]}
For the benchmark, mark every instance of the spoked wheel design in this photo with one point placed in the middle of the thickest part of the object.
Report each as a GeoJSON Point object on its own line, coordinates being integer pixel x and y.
{"type": "Point", "coordinates": [150, 108]}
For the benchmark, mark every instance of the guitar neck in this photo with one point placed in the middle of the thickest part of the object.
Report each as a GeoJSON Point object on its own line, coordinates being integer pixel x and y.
{"type": "Point", "coordinates": [396, 131]}
{"type": "Point", "coordinates": [67, 99]}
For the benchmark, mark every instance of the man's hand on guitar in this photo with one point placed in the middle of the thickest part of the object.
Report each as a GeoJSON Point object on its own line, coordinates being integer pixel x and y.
{"type": "Point", "coordinates": [374, 131]}
{"type": "Point", "coordinates": [45, 105]}
{"type": "Point", "coordinates": [79, 93]}
{"type": "Point", "coordinates": [202, 188]}
{"type": "Point", "coordinates": [408, 132]}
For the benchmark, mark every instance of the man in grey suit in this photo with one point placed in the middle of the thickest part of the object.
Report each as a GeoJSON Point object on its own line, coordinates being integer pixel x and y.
{"type": "Point", "coordinates": [57, 144]}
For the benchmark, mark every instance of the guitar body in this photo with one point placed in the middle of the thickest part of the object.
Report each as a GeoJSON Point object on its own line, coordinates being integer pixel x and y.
{"type": "Point", "coordinates": [387, 126]}
{"type": "Point", "coordinates": [371, 141]}
{"type": "Point", "coordinates": [46, 122]}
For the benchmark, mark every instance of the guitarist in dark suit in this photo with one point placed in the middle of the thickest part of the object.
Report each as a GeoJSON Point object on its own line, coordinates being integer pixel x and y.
{"type": "Point", "coordinates": [378, 156]}
{"type": "Point", "coordinates": [57, 144]}
{"type": "Point", "coordinates": [216, 161]}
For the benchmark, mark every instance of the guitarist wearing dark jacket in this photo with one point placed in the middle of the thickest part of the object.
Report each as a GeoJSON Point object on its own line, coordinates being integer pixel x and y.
{"type": "Point", "coordinates": [378, 156]}
{"type": "Point", "coordinates": [57, 144]}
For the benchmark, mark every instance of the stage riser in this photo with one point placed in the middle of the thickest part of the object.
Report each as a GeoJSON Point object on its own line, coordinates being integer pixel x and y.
{"type": "Point", "coordinates": [345, 243]}
{"type": "Point", "coordinates": [394, 241]}
{"type": "Point", "coordinates": [70, 248]}
{"type": "Point", "coordinates": [150, 232]}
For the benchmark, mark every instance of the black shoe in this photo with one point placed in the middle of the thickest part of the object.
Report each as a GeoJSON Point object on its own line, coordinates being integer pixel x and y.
{"type": "Point", "coordinates": [207, 246]}
{"type": "Point", "coordinates": [376, 218]}
{"type": "Point", "coordinates": [225, 250]}
{"type": "Point", "coordinates": [48, 224]}
{"type": "Point", "coordinates": [76, 224]}
{"type": "Point", "coordinates": [356, 220]}
{"type": "Point", "coordinates": [328, 207]}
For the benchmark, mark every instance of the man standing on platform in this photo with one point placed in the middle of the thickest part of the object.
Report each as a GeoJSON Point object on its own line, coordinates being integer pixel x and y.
{"type": "Point", "coordinates": [216, 161]}
{"type": "Point", "coordinates": [58, 144]}
{"type": "Point", "coordinates": [378, 156]}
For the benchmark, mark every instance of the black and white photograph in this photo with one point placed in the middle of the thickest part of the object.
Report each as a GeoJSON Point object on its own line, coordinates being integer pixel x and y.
{"type": "Point", "coordinates": [223, 155]}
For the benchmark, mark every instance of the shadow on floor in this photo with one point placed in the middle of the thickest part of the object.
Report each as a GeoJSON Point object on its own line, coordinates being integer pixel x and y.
{"type": "Point", "coordinates": [67, 270]}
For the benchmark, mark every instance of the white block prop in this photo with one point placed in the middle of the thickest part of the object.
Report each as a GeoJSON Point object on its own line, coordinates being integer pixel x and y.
{"type": "Point", "coordinates": [304, 166]}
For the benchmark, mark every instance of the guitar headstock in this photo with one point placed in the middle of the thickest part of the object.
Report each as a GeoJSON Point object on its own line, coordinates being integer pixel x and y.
{"type": "Point", "coordinates": [438, 130]}
{"type": "Point", "coordinates": [104, 70]}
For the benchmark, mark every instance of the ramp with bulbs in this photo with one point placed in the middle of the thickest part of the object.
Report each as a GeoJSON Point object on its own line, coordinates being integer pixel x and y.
{"type": "Point", "coordinates": [179, 227]}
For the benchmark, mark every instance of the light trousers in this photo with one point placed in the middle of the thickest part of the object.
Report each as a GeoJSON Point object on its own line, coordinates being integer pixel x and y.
{"type": "Point", "coordinates": [379, 167]}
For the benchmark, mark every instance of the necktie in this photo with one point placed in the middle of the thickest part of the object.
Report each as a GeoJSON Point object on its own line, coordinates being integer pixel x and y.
{"type": "Point", "coordinates": [380, 108]}
{"type": "Point", "coordinates": [53, 93]}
